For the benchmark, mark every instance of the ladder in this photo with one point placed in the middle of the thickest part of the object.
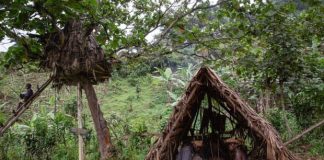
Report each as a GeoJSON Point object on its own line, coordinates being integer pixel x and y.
{"type": "Point", "coordinates": [24, 106]}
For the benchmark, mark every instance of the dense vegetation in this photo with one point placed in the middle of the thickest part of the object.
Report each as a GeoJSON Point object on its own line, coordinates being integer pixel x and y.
{"type": "Point", "coordinates": [270, 52]}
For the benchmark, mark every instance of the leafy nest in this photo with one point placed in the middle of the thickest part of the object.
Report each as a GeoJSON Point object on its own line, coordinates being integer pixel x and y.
{"type": "Point", "coordinates": [73, 55]}
{"type": "Point", "coordinates": [265, 143]}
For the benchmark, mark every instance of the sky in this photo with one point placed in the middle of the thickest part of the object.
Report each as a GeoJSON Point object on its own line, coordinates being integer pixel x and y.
{"type": "Point", "coordinates": [5, 44]}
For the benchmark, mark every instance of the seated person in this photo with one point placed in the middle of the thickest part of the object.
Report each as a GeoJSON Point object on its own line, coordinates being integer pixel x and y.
{"type": "Point", "coordinates": [185, 152]}
{"type": "Point", "coordinates": [198, 148]}
{"type": "Point", "coordinates": [236, 148]}
{"type": "Point", "coordinates": [25, 96]}
{"type": "Point", "coordinates": [215, 148]}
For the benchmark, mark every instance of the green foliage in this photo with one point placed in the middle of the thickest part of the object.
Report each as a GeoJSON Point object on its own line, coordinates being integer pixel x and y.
{"type": "Point", "coordinates": [309, 103]}
{"type": "Point", "coordinates": [70, 107]}
{"type": "Point", "coordinates": [2, 118]}
{"type": "Point", "coordinates": [276, 117]}
{"type": "Point", "coordinates": [45, 136]}
{"type": "Point", "coordinates": [130, 136]}
{"type": "Point", "coordinates": [120, 24]}
{"type": "Point", "coordinates": [315, 140]}
{"type": "Point", "coordinates": [134, 69]}
{"type": "Point", "coordinates": [267, 51]}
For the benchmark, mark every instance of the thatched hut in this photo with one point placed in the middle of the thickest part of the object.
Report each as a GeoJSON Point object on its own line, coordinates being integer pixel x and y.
{"type": "Point", "coordinates": [210, 110]}
{"type": "Point", "coordinates": [74, 57]}
{"type": "Point", "coordinates": [73, 54]}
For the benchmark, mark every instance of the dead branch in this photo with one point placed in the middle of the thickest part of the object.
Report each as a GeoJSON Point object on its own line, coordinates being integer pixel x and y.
{"type": "Point", "coordinates": [304, 132]}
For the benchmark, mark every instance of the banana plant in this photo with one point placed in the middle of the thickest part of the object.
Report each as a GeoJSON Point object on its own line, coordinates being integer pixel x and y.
{"type": "Point", "coordinates": [175, 98]}
{"type": "Point", "coordinates": [169, 77]}
{"type": "Point", "coordinates": [171, 80]}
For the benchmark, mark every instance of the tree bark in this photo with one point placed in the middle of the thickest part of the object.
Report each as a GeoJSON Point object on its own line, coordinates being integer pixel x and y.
{"type": "Point", "coordinates": [260, 103]}
{"type": "Point", "coordinates": [55, 101]}
{"type": "Point", "coordinates": [103, 135]}
{"type": "Point", "coordinates": [267, 98]}
{"type": "Point", "coordinates": [263, 103]}
{"type": "Point", "coordinates": [80, 122]}
{"type": "Point", "coordinates": [282, 103]}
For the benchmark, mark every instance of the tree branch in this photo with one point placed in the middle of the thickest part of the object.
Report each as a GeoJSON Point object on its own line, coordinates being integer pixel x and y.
{"type": "Point", "coordinates": [201, 7]}
{"type": "Point", "coordinates": [19, 40]}
{"type": "Point", "coordinates": [304, 132]}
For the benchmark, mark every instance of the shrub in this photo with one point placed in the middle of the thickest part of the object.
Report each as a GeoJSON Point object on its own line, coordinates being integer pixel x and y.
{"type": "Point", "coordinates": [277, 118]}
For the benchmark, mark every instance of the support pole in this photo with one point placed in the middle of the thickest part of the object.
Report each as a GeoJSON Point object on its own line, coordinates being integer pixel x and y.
{"type": "Point", "coordinates": [55, 100]}
{"type": "Point", "coordinates": [80, 122]}
{"type": "Point", "coordinates": [105, 146]}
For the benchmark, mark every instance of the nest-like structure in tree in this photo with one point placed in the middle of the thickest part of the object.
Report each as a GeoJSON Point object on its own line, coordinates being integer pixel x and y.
{"type": "Point", "coordinates": [73, 55]}
{"type": "Point", "coordinates": [261, 139]}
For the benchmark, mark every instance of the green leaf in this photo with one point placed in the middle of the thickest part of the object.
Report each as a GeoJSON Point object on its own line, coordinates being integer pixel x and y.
{"type": "Point", "coordinates": [168, 73]}
{"type": "Point", "coordinates": [172, 95]}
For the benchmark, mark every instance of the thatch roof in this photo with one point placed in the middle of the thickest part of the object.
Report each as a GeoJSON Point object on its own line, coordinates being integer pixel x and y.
{"type": "Point", "coordinates": [266, 143]}
{"type": "Point", "coordinates": [73, 54]}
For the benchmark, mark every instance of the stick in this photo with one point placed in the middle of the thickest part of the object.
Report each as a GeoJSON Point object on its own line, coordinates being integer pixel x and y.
{"type": "Point", "coordinates": [304, 132]}
{"type": "Point", "coordinates": [80, 122]}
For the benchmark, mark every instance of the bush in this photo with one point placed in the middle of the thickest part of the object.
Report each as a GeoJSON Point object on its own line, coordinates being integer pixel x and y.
{"type": "Point", "coordinates": [277, 118]}
{"type": "Point", "coordinates": [314, 140]}
{"type": "Point", "coordinates": [70, 107]}
{"type": "Point", "coordinates": [2, 118]}
{"type": "Point", "coordinates": [131, 137]}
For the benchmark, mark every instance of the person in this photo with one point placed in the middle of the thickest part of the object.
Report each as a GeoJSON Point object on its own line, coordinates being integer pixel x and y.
{"type": "Point", "coordinates": [216, 149]}
{"type": "Point", "coordinates": [198, 148]}
{"type": "Point", "coordinates": [186, 151]}
{"type": "Point", "coordinates": [236, 148]}
{"type": "Point", "coordinates": [24, 96]}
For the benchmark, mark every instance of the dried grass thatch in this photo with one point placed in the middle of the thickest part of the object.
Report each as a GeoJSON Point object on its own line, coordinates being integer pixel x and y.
{"type": "Point", "coordinates": [266, 143]}
{"type": "Point", "coordinates": [73, 54]}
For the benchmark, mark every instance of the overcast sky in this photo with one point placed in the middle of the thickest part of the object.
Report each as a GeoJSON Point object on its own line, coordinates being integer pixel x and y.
{"type": "Point", "coordinates": [5, 44]}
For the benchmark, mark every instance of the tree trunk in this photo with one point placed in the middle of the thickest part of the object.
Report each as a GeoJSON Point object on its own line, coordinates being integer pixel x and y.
{"type": "Point", "coordinates": [282, 103]}
{"type": "Point", "coordinates": [55, 101]}
{"type": "Point", "coordinates": [267, 98]}
{"type": "Point", "coordinates": [103, 135]}
{"type": "Point", "coordinates": [169, 88]}
{"type": "Point", "coordinates": [260, 103]}
{"type": "Point", "coordinates": [80, 123]}
{"type": "Point", "coordinates": [263, 103]}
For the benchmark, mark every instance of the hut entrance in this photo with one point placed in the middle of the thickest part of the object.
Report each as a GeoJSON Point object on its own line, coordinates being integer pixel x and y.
{"type": "Point", "coordinates": [214, 135]}
{"type": "Point", "coordinates": [212, 122]}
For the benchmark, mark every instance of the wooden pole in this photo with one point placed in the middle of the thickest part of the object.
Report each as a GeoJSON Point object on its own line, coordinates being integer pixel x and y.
{"type": "Point", "coordinates": [55, 100]}
{"type": "Point", "coordinates": [105, 145]}
{"type": "Point", "coordinates": [305, 132]}
{"type": "Point", "coordinates": [80, 123]}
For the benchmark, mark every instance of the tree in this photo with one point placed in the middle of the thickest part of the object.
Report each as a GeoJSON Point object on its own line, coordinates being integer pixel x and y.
{"type": "Point", "coordinates": [273, 49]}
{"type": "Point", "coordinates": [61, 39]}
{"type": "Point", "coordinates": [66, 37]}
{"type": "Point", "coordinates": [266, 46]}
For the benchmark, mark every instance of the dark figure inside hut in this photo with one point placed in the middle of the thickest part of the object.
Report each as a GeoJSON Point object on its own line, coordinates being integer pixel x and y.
{"type": "Point", "coordinates": [236, 148]}
{"type": "Point", "coordinates": [186, 151]}
{"type": "Point", "coordinates": [24, 96]}
{"type": "Point", "coordinates": [216, 150]}
{"type": "Point", "coordinates": [198, 148]}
